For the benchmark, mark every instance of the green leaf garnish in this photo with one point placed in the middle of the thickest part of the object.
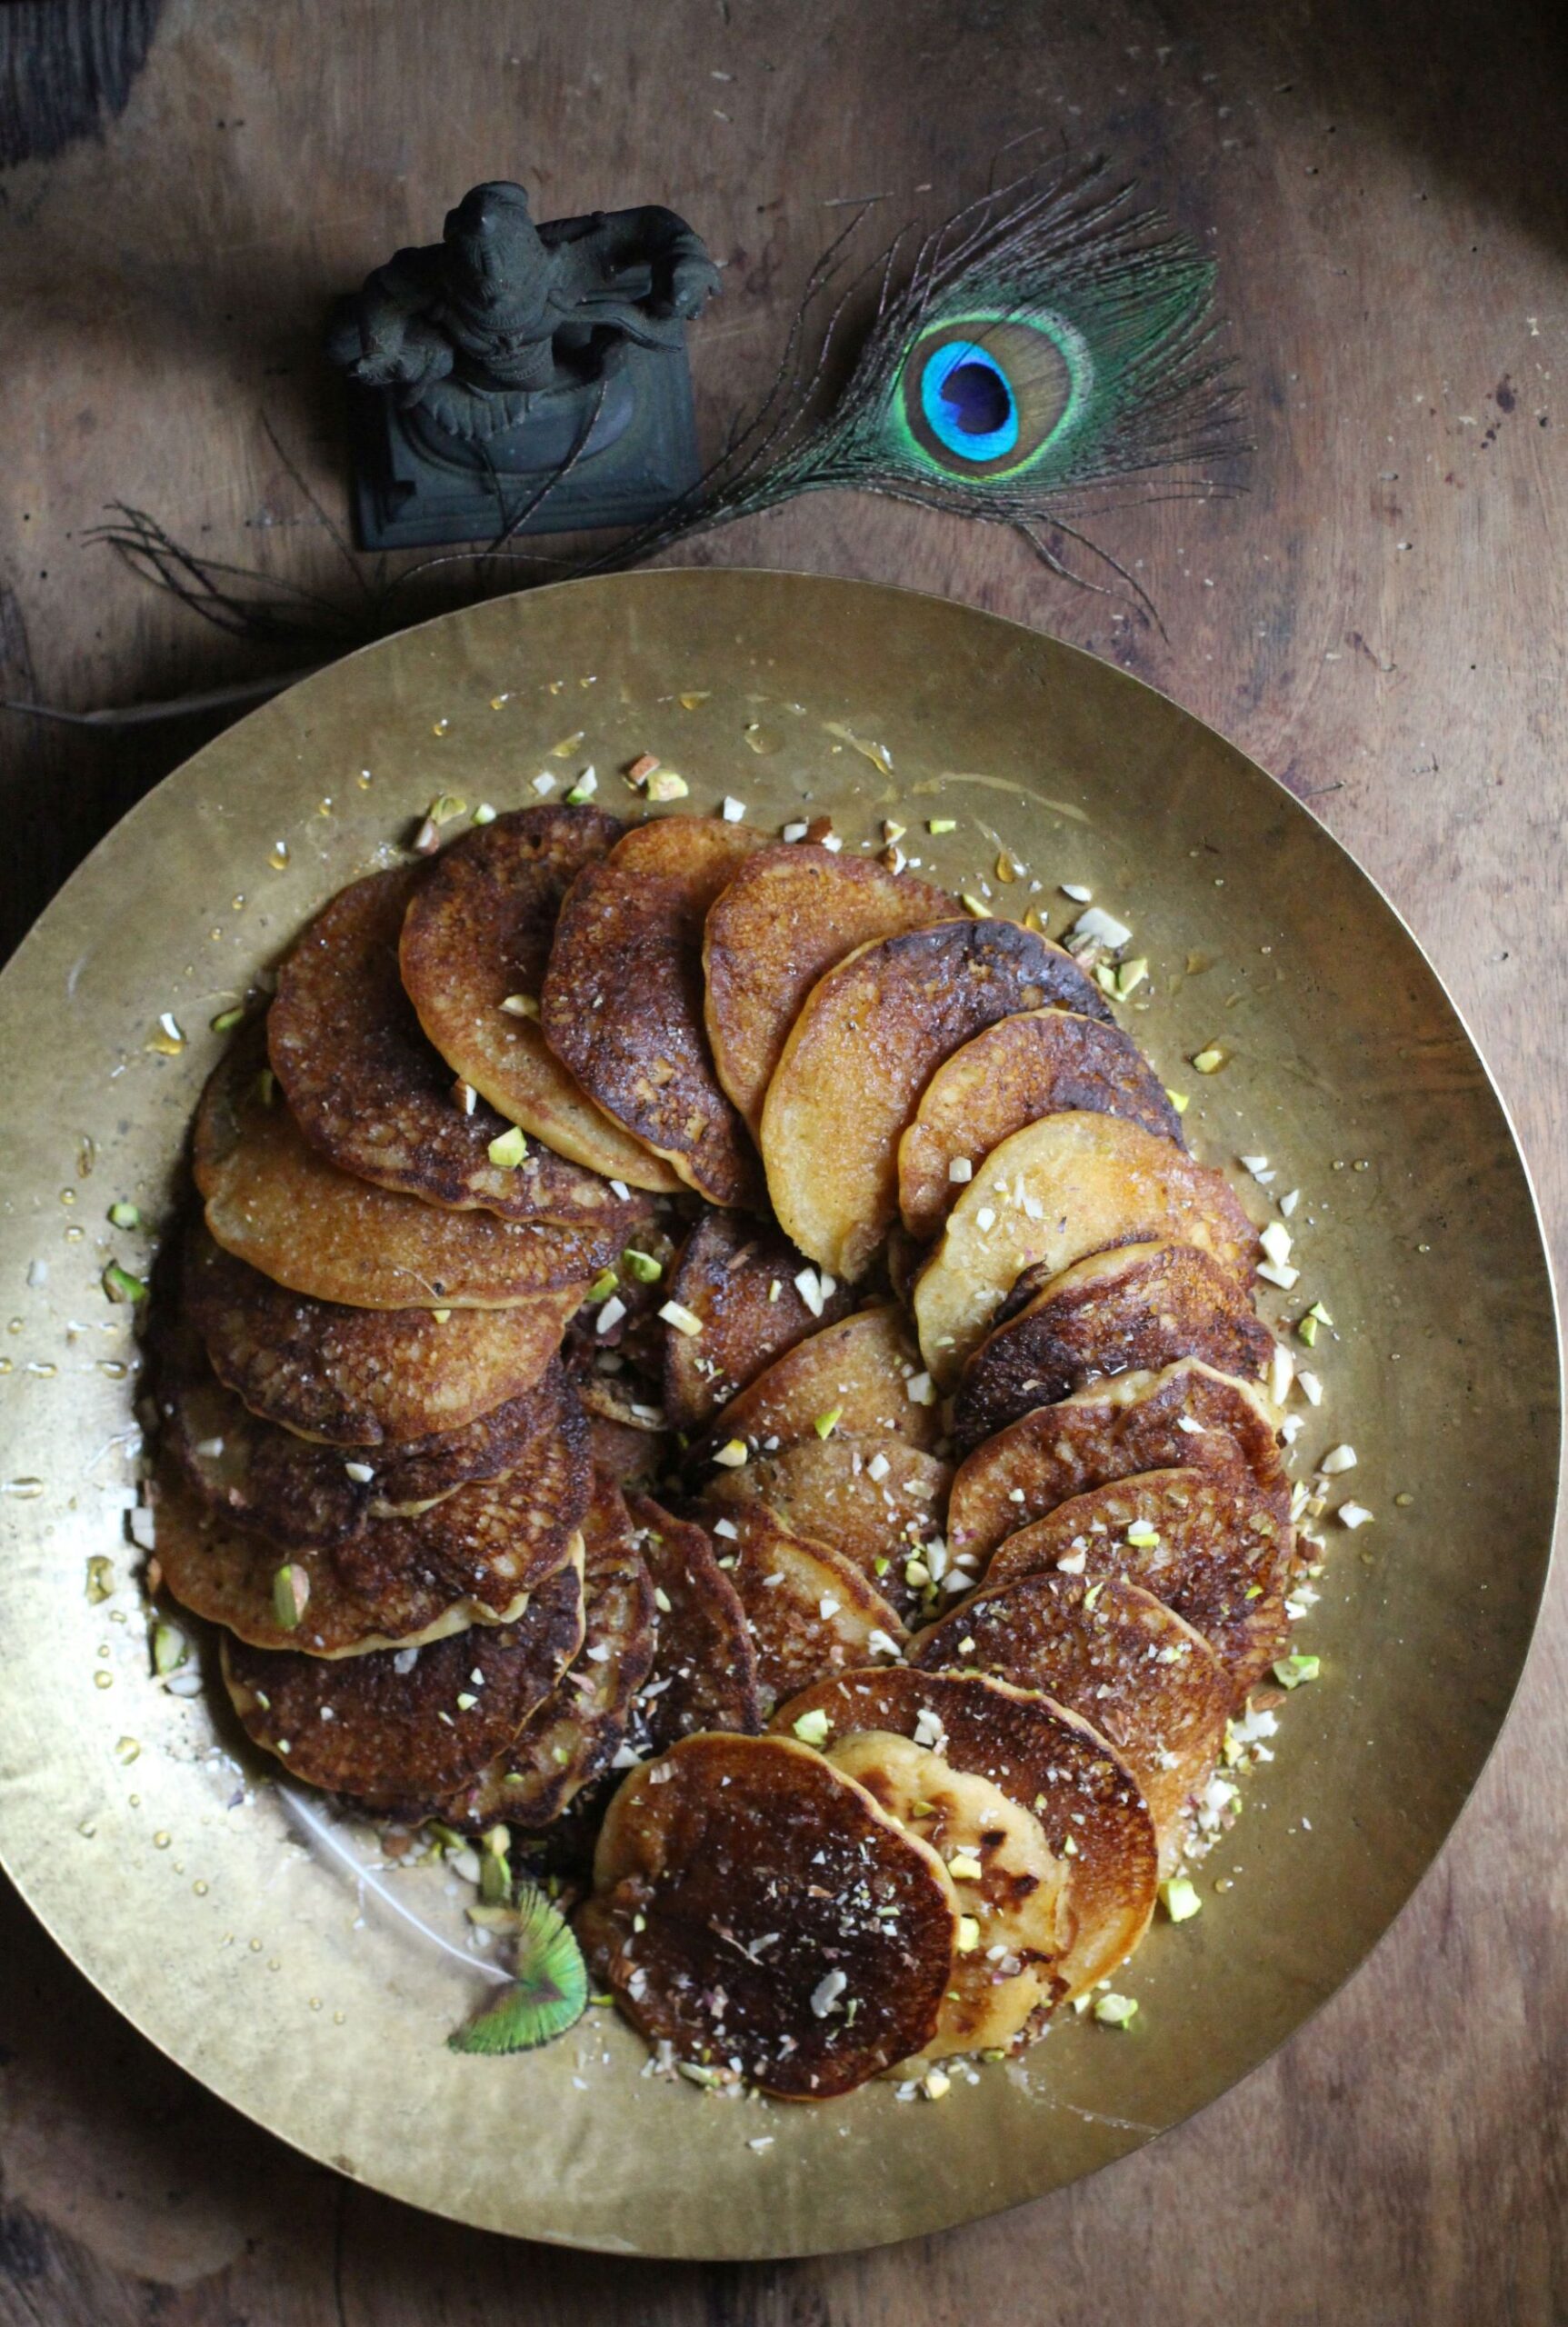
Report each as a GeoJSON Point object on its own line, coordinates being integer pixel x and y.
{"type": "Point", "coordinates": [551, 1992]}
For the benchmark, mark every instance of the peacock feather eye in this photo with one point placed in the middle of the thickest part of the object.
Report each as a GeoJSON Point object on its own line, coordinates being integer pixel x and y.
{"type": "Point", "coordinates": [982, 396]}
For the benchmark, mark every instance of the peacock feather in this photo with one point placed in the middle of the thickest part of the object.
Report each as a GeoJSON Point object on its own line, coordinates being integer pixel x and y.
{"type": "Point", "coordinates": [1046, 354]}
{"type": "Point", "coordinates": [1051, 343]}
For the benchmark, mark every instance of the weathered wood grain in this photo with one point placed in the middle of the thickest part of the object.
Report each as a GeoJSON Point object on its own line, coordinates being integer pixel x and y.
{"type": "Point", "coordinates": [1382, 621]}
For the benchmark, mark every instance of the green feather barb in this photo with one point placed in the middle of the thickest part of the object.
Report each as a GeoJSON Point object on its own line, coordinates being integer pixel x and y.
{"type": "Point", "coordinates": [549, 1993]}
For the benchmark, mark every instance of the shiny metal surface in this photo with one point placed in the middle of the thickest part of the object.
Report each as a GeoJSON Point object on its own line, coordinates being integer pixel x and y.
{"type": "Point", "coordinates": [128, 1816]}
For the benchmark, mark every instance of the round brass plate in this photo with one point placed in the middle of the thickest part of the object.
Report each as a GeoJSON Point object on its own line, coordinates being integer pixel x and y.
{"type": "Point", "coordinates": [129, 1817]}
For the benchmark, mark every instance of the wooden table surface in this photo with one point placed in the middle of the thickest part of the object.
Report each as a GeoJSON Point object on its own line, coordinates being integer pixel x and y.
{"type": "Point", "coordinates": [1381, 622]}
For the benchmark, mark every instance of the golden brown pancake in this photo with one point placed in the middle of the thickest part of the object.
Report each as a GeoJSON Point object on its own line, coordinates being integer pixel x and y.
{"type": "Point", "coordinates": [853, 1377]}
{"type": "Point", "coordinates": [374, 1095]}
{"type": "Point", "coordinates": [623, 999]}
{"type": "Point", "coordinates": [837, 1492]}
{"type": "Point", "coordinates": [361, 1377]}
{"type": "Point", "coordinates": [737, 1275]}
{"type": "Point", "coordinates": [477, 936]}
{"type": "Point", "coordinates": [746, 1895]}
{"type": "Point", "coordinates": [634, 1457]}
{"type": "Point", "coordinates": [1055, 1192]}
{"type": "Point", "coordinates": [789, 913]}
{"type": "Point", "coordinates": [1220, 1555]}
{"type": "Point", "coordinates": [1131, 1310]}
{"type": "Point", "coordinates": [406, 1722]}
{"type": "Point", "coordinates": [868, 1040]}
{"type": "Point", "coordinates": [575, 1732]}
{"type": "Point", "coordinates": [1040, 1063]}
{"type": "Point", "coordinates": [1150, 1684]}
{"type": "Point", "coordinates": [273, 1200]}
{"type": "Point", "coordinates": [1044, 1758]}
{"type": "Point", "coordinates": [1188, 1414]}
{"type": "Point", "coordinates": [1010, 1888]}
{"type": "Point", "coordinates": [705, 1667]}
{"type": "Point", "coordinates": [303, 1493]}
{"type": "Point", "coordinates": [229, 1575]}
{"type": "Point", "coordinates": [810, 1611]}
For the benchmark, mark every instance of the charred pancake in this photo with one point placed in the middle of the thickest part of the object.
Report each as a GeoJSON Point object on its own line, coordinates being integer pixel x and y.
{"type": "Point", "coordinates": [376, 1097]}
{"type": "Point", "coordinates": [746, 1893]}
{"type": "Point", "coordinates": [811, 1612]}
{"type": "Point", "coordinates": [626, 1452]}
{"type": "Point", "coordinates": [1131, 1310]}
{"type": "Point", "coordinates": [575, 1732]}
{"type": "Point", "coordinates": [1220, 1557]}
{"type": "Point", "coordinates": [705, 1667]}
{"type": "Point", "coordinates": [876, 1503]}
{"type": "Point", "coordinates": [407, 1722]}
{"type": "Point", "coordinates": [1188, 1415]}
{"type": "Point", "coordinates": [853, 1377]}
{"type": "Point", "coordinates": [303, 1493]}
{"type": "Point", "coordinates": [361, 1377]}
{"type": "Point", "coordinates": [1011, 1891]}
{"type": "Point", "coordinates": [1047, 1760]}
{"type": "Point", "coordinates": [229, 1575]}
{"type": "Point", "coordinates": [623, 999]}
{"type": "Point", "coordinates": [1040, 1063]}
{"type": "Point", "coordinates": [273, 1200]}
{"type": "Point", "coordinates": [1150, 1685]}
{"type": "Point", "coordinates": [868, 1040]}
{"type": "Point", "coordinates": [476, 936]}
{"type": "Point", "coordinates": [789, 915]}
{"type": "Point", "coordinates": [495, 1539]}
{"type": "Point", "coordinates": [739, 1277]}
{"type": "Point", "coordinates": [1055, 1193]}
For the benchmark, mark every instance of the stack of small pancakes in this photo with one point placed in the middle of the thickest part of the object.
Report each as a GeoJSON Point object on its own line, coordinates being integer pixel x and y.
{"type": "Point", "coordinates": [577, 1160]}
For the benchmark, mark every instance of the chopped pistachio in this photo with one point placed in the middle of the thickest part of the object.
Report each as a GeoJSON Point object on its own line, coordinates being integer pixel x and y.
{"type": "Point", "coordinates": [1130, 976]}
{"type": "Point", "coordinates": [665, 785]}
{"type": "Point", "coordinates": [1180, 1899]}
{"type": "Point", "coordinates": [1319, 1313]}
{"type": "Point", "coordinates": [683, 1319]}
{"type": "Point", "coordinates": [1210, 1061]}
{"type": "Point", "coordinates": [226, 1020]}
{"type": "Point", "coordinates": [290, 1592]}
{"type": "Point", "coordinates": [936, 2084]}
{"type": "Point", "coordinates": [1142, 1536]}
{"type": "Point", "coordinates": [521, 1005]}
{"type": "Point", "coordinates": [466, 1700]}
{"type": "Point", "coordinates": [507, 1151]}
{"type": "Point", "coordinates": [604, 1284]}
{"type": "Point", "coordinates": [937, 825]}
{"type": "Point", "coordinates": [442, 1316]}
{"type": "Point", "coordinates": [733, 1454]}
{"type": "Point", "coordinates": [976, 905]}
{"type": "Point", "coordinates": [588, 784]}
{"type": "Point", "coordinates": [1290, 1672]}
{"type": "Point", "coordinates": [445, 807]}
{"type": "Point", "coordinates": [484, 813]}
{"type": "Point", "coordinates": [170, 1648]}
{"type": "Point", "coordinates": [1180, 1100]}
{"type": "Point", "coordinates": [916, 1574]}
{"type": "Point", "coordinates": [1307, 1328]}
{"type": "Point", "coordinates": [965, 1867]}
{"type": "Point", "coordinates": [121, 1285]}
{"type": "Point", "coordinates": [968, 1938]}
{"type": "Point", "coordinates": [125, 1216]}
{"type": "Point", "coordinates": [812, 1727]}
{"type": "Point", "coordinates": [660, 1600]}
{"type": "Point", "coordinates": [825, 1424]}
{"type": "Point", "coordinates": [642, 1266]}
{"type": "Point", "coordinates": [1115, 2012]}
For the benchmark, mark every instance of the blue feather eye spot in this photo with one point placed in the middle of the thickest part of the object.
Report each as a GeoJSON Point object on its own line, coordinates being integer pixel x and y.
{"type": "Point", "coordinates": [982, 396]}
{"type": "Point", "coordinates": [966, 400]}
